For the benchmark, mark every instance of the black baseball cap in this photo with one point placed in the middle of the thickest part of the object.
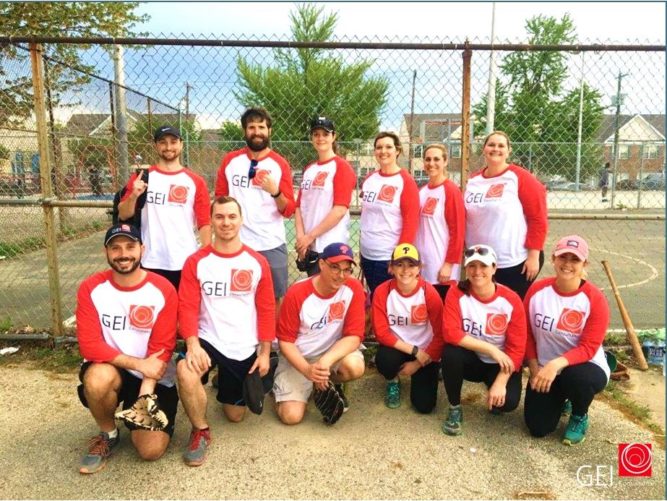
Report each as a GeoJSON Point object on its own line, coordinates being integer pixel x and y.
{"type": "Point", "coordinates": [322, 123]}
{"type": "Point", "coordinates": [123, 229]}
{"type": "Point", "coordinates": [166, 130]}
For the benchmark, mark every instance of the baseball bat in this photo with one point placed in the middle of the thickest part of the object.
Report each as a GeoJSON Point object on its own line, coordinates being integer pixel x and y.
{"type": "Point", "coordinates": [629, 328]}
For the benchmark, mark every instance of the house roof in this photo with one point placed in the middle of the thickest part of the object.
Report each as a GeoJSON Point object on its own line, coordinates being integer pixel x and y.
{"type": "Point", "coordinates": [606, 131]}
{"type": "Point", "coordinates": [432, 127]}
{"type": "Point", "coordinates": [87, 124]}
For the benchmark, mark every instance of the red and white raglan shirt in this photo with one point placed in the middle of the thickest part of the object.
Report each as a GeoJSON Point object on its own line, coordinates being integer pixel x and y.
{"type": "Point", "coordinates": [389, 213]}
{"type": "Point", "coordinates": [175, 203]}
{"type": "Point", "coordinates": [137, 321]}
{"type": "Point", "coordinates": [499, 320]}
{"type": "Point", "coordinates": [324, 185]}
{"type": "Point", "coordinates": [263, 228]}
{"type": "Point", "coordinates": [414, 318]}
{"type": "Point", "coordinates": [227, 300]}
{"type": "Point", "coordinates": [507, 212]}
{"type": "Point", "coordinates": [571, 325]}
{"type": "Point", "coordinates": [441, 231]}
{"type": "Point", "coordinates": [314, 322]}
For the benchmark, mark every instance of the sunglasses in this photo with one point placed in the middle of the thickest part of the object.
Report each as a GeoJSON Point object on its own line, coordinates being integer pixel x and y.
{"type": "Point", "coordinates": [482, 251]}
{"type": "Point", "coordinates": [252, 171]}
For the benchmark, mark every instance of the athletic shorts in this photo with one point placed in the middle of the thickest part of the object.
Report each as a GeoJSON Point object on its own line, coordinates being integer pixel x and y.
{"type": "Point", "coordinates": [129, 392]}
{"type": "Point", "coordinates": [277, 259]}
{"type": "Point", "coordinates": [290, 384]}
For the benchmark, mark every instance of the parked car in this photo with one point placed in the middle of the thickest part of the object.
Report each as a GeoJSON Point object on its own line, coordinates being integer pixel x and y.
{"type": "Point", "coordinates": [627, 184]}
{"type": "Point", "coordinates": [562, 186]}
{"type": "Point", "coordinates": [654, 181]}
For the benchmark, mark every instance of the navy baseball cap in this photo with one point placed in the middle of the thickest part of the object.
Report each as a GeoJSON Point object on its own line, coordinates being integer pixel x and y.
{"type": "Point", "coordinates": [337, 252]}
{"type": "Point", "coordinates": [322, 123]}
{"type": "Point", "coordinates": [166, 130]}
{"type": "Point", "coordinates": [123, 229]}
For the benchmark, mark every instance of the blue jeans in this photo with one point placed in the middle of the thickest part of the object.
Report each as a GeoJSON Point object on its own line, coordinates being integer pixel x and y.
{"type": "Point", "coordinates": [375, 272]}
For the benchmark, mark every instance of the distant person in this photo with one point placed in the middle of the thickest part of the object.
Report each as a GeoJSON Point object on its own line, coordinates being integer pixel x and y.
{"type": "Point", "coordinates": [126, 328]}
{"type": "Point", "coordinates": [389, 210]}
{"type": "Point", "coordinates": [442, 227]}
{"type": "Point", "coordinates": [506, 209]}
{"type": "Point", "coordinates": [226, 315]}
{"type": "Point", "coordinates": [603, 184]}
{"type": "Point", "coordinates": [568, 318]}
{"type": "Point", "coordinates": [261, 181]}
{"type": "Point", "coordinates": [176, 201]}
{"type": "Point", "coordinates": [322, 213]}
{"type": "Point", "coordinates": [95, 178]}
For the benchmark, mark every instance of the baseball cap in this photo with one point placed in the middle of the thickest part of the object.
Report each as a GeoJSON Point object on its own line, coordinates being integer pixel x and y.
{"type": "Point", "coordinates": [166, 130]}
{"type": "Point", "coordinates": [337, 252]}
{"type": "Point", "coordinates": [573, 244]}
{"type": "Point", "coordinates": [405, 251]}
{"type": "Point", "coordinates": [122, 229]}
{"type": "Point", "coordinates": [322, 123]}
{"type": "Point", "coordinates": [482, 253]}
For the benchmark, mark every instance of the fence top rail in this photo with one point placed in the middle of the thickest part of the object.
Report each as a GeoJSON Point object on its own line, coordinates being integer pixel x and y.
{"type": "Point", "coordinates": [330, 45]}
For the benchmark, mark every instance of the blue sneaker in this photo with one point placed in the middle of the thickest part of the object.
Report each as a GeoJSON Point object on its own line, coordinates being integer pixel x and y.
{"type": "Point", "coordinates": [392, 395]}
{"type": "Point", "coordinates": [575, 433]}
{"type": "Point", "coordinates": [452, 425]}
{"type": "Point", "coordinates": [99, 449]}
{"type": "Point", "coordinates": [567, 409]}
{"type": "Point", "coordinates": [195, 454]}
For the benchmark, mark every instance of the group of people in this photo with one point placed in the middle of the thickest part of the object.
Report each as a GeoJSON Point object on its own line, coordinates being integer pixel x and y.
{"type": "Point", "coordinates": [228, 297]}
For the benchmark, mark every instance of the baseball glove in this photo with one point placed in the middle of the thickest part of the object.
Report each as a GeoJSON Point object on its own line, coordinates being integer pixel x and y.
{"type": "Point", "coordinates": [329, 403]}
{"type": "Point", "coordinates": [145, 414]}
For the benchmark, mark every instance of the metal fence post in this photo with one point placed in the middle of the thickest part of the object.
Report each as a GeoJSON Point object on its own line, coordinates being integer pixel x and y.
{"type": "Point", "coordinates": [465, 116]}
{"type": "Point", "coordinates": [47, 189]}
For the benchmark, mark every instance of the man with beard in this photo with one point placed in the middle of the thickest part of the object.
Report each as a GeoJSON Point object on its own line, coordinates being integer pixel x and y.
{"type": "Point", "coordinates": [175, 200]}
{"type": "Point", "coordinates": [227, 316]}
{"type": "Point", "coordinates": [261, 181]}
{"type": "Point", "coordinates": [126, 328]}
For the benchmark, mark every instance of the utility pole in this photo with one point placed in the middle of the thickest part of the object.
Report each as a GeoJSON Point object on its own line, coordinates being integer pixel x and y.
{"type": "Point", "coordinates": [410, 128]}
{"type": "Point", "coordinates": [491, 96]}
{"type": "Point", "coordinates": [581, 120]}
{"type": "Point", "coordinates": [618, 99]}
{"type": "Point", "coordinates": [186, 150]}
{"type": "Point", "coordinates": [121, 112]}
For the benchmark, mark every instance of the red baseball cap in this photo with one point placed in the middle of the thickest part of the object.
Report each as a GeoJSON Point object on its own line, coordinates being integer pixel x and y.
{"type": "Point", "coordinates": [573, 244]}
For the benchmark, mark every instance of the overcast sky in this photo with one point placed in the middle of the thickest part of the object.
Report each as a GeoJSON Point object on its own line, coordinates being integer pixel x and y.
{"type": "Point", "coordinates": [618, 22]}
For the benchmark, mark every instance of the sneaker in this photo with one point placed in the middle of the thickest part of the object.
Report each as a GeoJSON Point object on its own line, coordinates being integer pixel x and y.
{"type": "Point", "coordinates": [329, 403]}
{"type": "Point", "coordinates": [452, 425]}
{"type": "Point", "coordinates": [605, 200]}
{"type": "Point", "coordinates": [99, 449]}
{"type": "Point", "coordinates": [392, 395]}
{"type": "Point", "coordinates": [195, 455]}
{"type": "Point", "coordinates": [567, 409]}
{"type": "Point", "coordinates": [575, 433]}
{"type": "Point", "coordinates": [340, 389]}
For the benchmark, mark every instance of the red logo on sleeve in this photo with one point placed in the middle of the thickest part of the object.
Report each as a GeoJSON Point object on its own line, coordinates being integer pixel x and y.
{"type": "Point", "coordinates": [495, 191]}
{"type": "Point", "coordinates": [178, 194]}
{"type": "Point", "coordinates": [571, 321]}
{"type": "Point", "coordinates": [418, 314]}
{"type": "Point", "coordinates": [496, 324]}
{"type": "Point", "coordinates": [635, 460]}
{"type": "Point", "coordinates": [259, 177]}
{"type": "Point", "coordinates": [387, 193]}
{"type": "Point", "coordinates": [142, 317]}
{"type": "Point", "coordinates": [429, 206]}
{"type": "Point", "coordinates": [241, 281]}
{"type": "Point", "coordinates": [336, 311]}
{"type": "Point", "coordinates": [320, 178]}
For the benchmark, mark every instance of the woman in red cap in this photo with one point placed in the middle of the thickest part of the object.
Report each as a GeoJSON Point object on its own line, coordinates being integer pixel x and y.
{"type": "Point", "coordinates": [567, 321]}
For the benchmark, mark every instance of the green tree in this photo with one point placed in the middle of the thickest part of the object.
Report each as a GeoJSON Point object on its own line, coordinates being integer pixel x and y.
{"type": "Point", "coordinates": [54, 19]}
{"type": "Point", "coordinates": [305, 83]}
{"type": "Point", "coordinates": [538, 113]}
{"type": "Point", "coordinates": [231, 136]}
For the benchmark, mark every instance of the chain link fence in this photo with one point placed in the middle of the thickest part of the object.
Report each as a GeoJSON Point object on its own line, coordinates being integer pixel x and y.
{"type": "Point", "coordinates": [567, 111]}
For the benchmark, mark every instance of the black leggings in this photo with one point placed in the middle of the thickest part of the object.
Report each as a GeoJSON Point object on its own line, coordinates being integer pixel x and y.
{"type": "Point", "coordinates": [423, 383]}
{"type": "Point", "coordinates": [459, 364]}
{"type": "Point", "coordinates": [576, 383]}
{"type": "Point", "coordinates": [514, 279]}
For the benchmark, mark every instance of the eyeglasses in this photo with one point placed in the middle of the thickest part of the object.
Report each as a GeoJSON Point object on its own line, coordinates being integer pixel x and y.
{"type": "Point", "coordinates": [337, 270]}
{"type": "Point", "coordinates": [482, 251]}
{"type": "Point", "coordinates": [253, 169]}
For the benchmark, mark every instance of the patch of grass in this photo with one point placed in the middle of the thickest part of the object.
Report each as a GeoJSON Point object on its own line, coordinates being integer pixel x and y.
{"type": "Point", "coordinates": [6, 323]}
{"type": "Point", "coordinates": [39, 356]}
{"type": "Point", "coordinates": [13, 249]}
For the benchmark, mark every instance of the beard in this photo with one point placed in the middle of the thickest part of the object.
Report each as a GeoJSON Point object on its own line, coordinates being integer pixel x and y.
{"type": "Point", "coordinates": [123, 271]}
{"type": "Point", "coordinates": [257, 146]}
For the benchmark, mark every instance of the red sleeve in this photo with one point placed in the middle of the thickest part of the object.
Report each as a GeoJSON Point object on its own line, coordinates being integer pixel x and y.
{"type": "Point", "coordinates": [202, 201]}
{"type": "Point", "coordinates": [452, 332]}
{"type": "Point", "coordinates": [456, 224]}
{"type": "Point", "coordinates": [286, 188]}
{"type": "Point", "coordinates": [344, 182]}
{"type": "Point", "coordinates": [594, 331]}
{"type": "Point", "coordinates": [221, 186]}
{"type": "Point", "coordinates": [265, 303]}
{"type": "Point", "coordinates": [533, 198]}
{"type": "Point", "coordinates": [128, 187]}
{"type": "Point", "coordinates": [515, 336]}
{"type": "Point", "coordinates": [379, 317]}
{"type": "Point", "coordinates": [189, 298]}
{"type": "Point", "coordinates": [434, 306]}
{"type": "Point", "coordinates": [355, 318]}
{"type": "Point", "coordinates": [163, 334]}
{"type": "Point", "coordinates": [298, 199]}
{"type": "Point", "coordinates": [409, 209]}
{"type": "Point", "coordinates": [289, 319]}
{"type": "Point", "coordinates": [92, 345]}
{"type": "Point", "coordinates": [531, 349]}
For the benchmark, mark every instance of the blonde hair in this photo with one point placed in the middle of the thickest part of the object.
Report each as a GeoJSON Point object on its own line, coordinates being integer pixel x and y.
{"type": "Point", "coordinates": [498, 133]}
{"type": "Point", "coordinates": [437, 146]}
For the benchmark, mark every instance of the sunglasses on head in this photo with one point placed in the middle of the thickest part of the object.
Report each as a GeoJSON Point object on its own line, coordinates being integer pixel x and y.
{"type": "Point", "coordinates": [482, 251]}
{"type": "Point", "coordinates": [252, 171]}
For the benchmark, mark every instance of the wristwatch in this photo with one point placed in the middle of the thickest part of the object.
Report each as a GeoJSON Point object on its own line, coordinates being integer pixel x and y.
{"type": "Point", "coordinates": [276, 195]}
{"type": "Point", "coordinates": [415, 350]}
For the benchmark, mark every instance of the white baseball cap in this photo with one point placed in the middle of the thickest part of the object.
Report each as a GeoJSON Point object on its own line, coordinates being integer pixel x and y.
{"type": "Point", "coordinates": [482, 253]}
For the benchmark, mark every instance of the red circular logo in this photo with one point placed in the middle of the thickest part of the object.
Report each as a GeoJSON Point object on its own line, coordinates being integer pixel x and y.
{"type": "Point", "coordinates": [178, 194]}
{"type": "Point", "coordinates": [636, 459]}
{"type": "Point", "coordinates": [337, 310]}
{"type": "Point", "coordinates": [387, 193]}
{"type": "Point", "coordinates": [320, 178]}
{"type": "Point", "coordinates": [495, 191]}
{"type": "Point", "coordinates": [241, 280]}
{"type": "Point", "coordinates": [571, 320]}
{"type": "Point", "coordinates": [419, 314]}
{"type": "Point", "coordinates": [141, 316]}
{"type": "Point", "coordinates": [496, 323]}
{"type": "Point", "coordinates": [429, 206]}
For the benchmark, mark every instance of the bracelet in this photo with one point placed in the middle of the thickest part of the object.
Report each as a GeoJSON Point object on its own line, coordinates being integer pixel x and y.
{"type": "Point", "coordinates": [276, 195]}
{"type": "Point", "coordinates": [415, 350]}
